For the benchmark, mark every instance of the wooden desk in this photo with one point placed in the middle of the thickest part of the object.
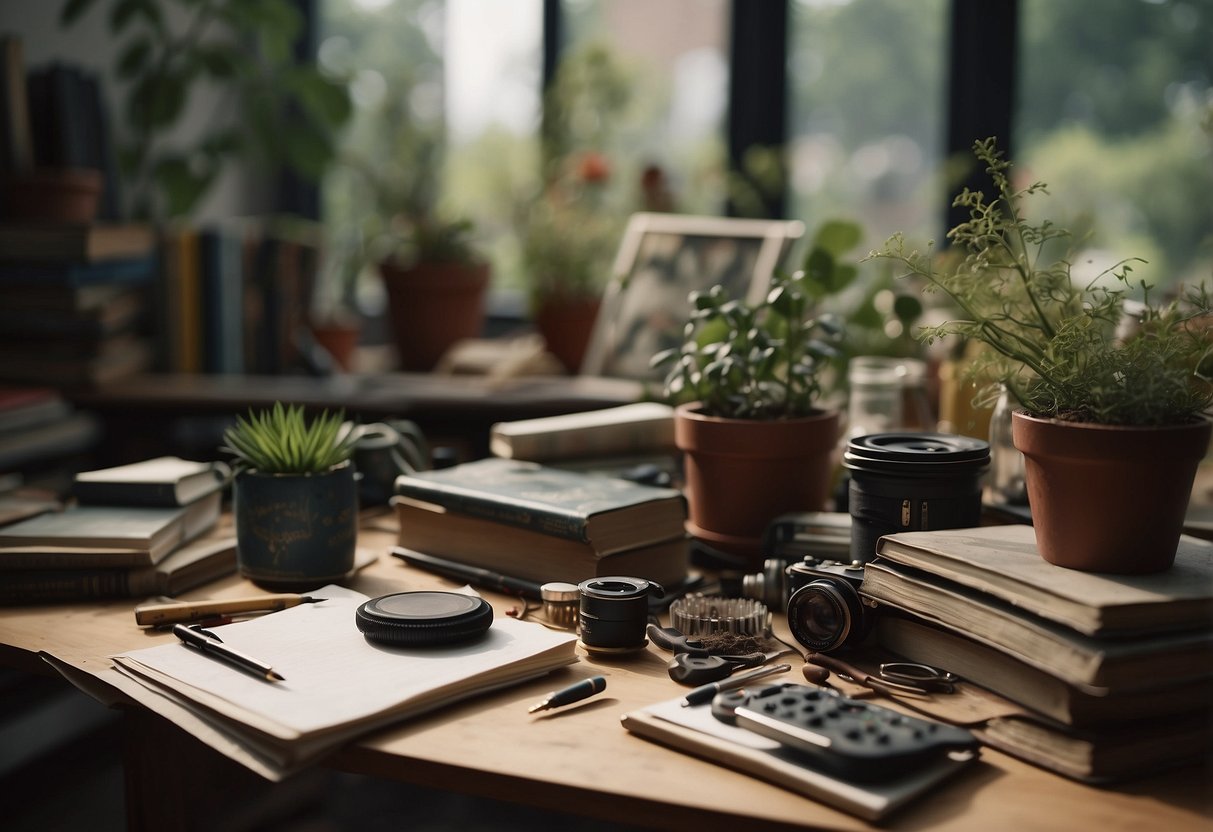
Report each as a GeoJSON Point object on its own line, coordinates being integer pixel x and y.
{"type": "Point", "coordinates": [577, 759]}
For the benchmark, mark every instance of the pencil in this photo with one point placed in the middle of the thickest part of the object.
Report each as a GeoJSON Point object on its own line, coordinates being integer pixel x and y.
{"type": "Point", "coordinates": [160, 614]}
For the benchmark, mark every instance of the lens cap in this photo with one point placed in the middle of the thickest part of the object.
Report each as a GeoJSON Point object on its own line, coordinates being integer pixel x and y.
{"type": "Point", "coordinates": [424, 619]}
{"type": "Point", "coordinates": [943, 454]}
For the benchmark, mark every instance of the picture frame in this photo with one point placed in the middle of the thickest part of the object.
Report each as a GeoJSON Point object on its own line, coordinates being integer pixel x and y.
{"type": "Point", "coordinates": [662, 258]}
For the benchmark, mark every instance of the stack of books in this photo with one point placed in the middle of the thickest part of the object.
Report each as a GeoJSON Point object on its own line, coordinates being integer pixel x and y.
{"type": "Point", "coordinates": [138, 530]}
{"type": "Point", "coordinates": [42, 436]}
{"type": "Point", "coordinates": [75, 302]}
{"type": "Point", "coordinates": [539, 523]}
{"type": "Point", "coordinates": [1114, 672]}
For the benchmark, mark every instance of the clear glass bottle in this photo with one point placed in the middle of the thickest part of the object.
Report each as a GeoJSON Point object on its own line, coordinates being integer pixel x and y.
{"type": "Point", "coordinates": [1006, 462]}
{"type": "Point", "coordinates": [874, 404]}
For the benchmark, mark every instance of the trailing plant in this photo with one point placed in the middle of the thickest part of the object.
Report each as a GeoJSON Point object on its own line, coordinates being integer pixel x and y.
{"type": "Point", "coordinates": [281, 441]}
{"type": "Point", "coordinates": [761, 361]}
{"type": "Point", "coordinates": [1073, 351]}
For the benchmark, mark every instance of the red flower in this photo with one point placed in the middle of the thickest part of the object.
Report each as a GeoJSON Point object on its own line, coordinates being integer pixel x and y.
{"type": "Point", "coordinates": [593, 167]}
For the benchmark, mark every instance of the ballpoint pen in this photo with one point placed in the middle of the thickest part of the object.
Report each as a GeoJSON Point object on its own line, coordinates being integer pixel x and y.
{"type": "Point", "coordinates": [704, 693]}
{"type": "Point", "coordinates": [573, 693]}
{"type": "Point", "coordinates": [211, 645]}
{"type": "Point", "coordinates": [172, 613]}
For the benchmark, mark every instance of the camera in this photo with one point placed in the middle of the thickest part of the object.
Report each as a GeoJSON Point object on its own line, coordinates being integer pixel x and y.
{"type": "Point", "coordinates": [825, 610]}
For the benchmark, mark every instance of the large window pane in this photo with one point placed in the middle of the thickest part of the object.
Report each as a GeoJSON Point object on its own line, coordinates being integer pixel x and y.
{"type": "Point", "coordinates": [1117, 117]}
{"type": "Point", "coordinates": [866, 88]}
{"type": "Point", "coordinates": [675, 53]}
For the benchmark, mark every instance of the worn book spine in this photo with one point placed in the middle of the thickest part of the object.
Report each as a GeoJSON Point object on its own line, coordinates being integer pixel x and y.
{"type": "Point", "coordinates": [550, 520]}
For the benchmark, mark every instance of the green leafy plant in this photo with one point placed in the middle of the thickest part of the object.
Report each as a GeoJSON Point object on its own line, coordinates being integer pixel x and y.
{"type": "Point", "coordinates": [281, 441]}
{"type": "Point", "coordinates": [762, 361]}
{"type": "Point", "coordinates": [288, 111]}
{"type": "Point", "coordinates": [1073, 351]}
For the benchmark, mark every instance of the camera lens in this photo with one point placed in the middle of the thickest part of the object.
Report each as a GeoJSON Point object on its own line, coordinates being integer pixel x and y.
{"type": "Point", "coordinates": [614, 612]}
{"type": "Point", "coordinates": [825, 614]}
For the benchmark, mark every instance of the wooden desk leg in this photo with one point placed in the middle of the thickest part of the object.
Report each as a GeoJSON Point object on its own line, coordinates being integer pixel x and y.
{"type": "Point", "coordinates": [174, 782]}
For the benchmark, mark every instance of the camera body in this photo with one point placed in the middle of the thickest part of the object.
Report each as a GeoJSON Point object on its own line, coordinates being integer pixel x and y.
{"type": "Point", "coordinates": [821, 596]}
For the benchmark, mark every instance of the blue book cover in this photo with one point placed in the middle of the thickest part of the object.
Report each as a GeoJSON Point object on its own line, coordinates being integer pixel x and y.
{"type": "Point", "coordinates": [136, 270]}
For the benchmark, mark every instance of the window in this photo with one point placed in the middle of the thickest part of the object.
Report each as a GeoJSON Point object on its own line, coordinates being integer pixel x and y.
{"type": "Point", "coordinates": [1118, 120]}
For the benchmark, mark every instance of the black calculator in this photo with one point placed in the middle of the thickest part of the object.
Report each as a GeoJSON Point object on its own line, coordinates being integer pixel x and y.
{"type": "Point", "coordinates": [848, 738]}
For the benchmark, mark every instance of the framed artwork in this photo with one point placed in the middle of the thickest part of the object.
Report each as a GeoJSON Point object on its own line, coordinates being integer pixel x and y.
{"type": "Point", "coordinates": [661, 260]}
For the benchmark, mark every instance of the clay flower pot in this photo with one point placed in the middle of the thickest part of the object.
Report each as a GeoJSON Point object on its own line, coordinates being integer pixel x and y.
{"type": "Point", "coordinates": [1108, 498]}
{"type": "Point", "coordinates": [741, 474]}
{"type": "Point", "coordinates": [433, 305]}
{"type": "Point", "coordinates": [565, 322]}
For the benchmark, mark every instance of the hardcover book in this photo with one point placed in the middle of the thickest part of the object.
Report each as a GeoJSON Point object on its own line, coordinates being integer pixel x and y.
{"type": "Point", "coordinates": [186, 567]}
{"type": "Point", "coordinates": [608, 513]}
{"type": "Point", "coordinates": [1002, 561]}
{"type": "Point", "coordinates": [644, 427]}
{"type": "Point", "coordinates": [524, 553]}
{"type": "Point", "coordinates": [1072, 656]}
{"type": "Point", "coordinates": [1036, 689]}
{"type": "Point", "coordinates": [104, 535]}
{"type": "Point", "coordinates": [163, 481]}
{"type": "Point", "coordinates": [62, 243]}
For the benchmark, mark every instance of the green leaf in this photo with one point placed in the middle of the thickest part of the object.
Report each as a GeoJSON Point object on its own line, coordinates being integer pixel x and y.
{"type": "Point", "coordinates": [72, 10]}
{"type": "Point", "coordinates": [181, 184]}
{"type": "Point", "coordinates": [324, 99]}
{"type": "Point", "coordinates": [124, 11]}
{"type": "Point", "coordinates": [308, 152]}
{"type": "Point", "coordinates": [133, 59]}
{"type": "Point", "coordinates": [838, 237]}
{"type": "Point", "coordinates": [219, 60]}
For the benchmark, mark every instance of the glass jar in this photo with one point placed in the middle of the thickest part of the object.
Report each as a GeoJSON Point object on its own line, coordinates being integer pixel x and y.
{"type": "Point", "coordinates": [1006, 462]}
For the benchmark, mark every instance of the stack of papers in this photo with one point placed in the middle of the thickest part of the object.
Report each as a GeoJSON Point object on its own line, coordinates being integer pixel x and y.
{"type": "Point", "coordinates": [337, 684]}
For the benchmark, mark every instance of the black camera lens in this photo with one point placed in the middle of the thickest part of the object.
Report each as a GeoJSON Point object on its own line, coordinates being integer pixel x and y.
{"type": "Point", "coordinates": [615, 613]}
{"type": "Point", "coordinates": [826, 614]}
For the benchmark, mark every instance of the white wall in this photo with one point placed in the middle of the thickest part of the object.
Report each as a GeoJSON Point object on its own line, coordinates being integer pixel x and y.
{"type": "Point", "coordinates": [88, 43]}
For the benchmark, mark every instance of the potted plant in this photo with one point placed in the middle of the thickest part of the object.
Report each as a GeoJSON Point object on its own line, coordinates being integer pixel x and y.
{"type": "Point", "coordinates": [294, 497]}
{"type": "Point", "coordinates": [434, 274]}
{"type": "Point", "coordinates": [747, 382]}
{"type": "Point", "coordinates": [1112, 395]}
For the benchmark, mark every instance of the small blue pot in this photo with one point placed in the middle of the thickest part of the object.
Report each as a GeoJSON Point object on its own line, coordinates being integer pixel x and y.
{"type": "Point", "coordinates": [296, 532]}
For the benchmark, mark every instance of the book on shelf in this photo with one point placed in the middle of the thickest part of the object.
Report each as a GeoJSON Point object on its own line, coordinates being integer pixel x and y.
{"type": "Point", "coordinates": [525, 553]}
{"type": "Point", "coordinates": [643, 427]}
{"type": "Point", "coordinates": [26, 407]}
{"type": "Point", "coordinates": [65, 243]}
{"type": "Point", "coordinates": [693, 730]}
{"type": "Point", "coordinates": [1103, 755]}
{"type": "Point", "coordinates": [607, 513]}
{"type": "Point", "coordinates": [186, 567]}
{"type": "Point", "coordinates": [16, 140]}
{"type": "Point", "coordinates": [1082, 660]}
{"type": "Point", "coordinates": [163, 481]}
{"type": "Point", "coordinates": [49, 280]}
{"type": "Point", "coordinates": [1002, 561]}
{"type": "Point", "coordinates": [54, 438]}
{"type": "Point", "coordinates": [113, 358]}
{"type": "Point", "coordinates": [1041, 692]}
{"type": "Point", "coordinates": [106, 536]}
{"type": "Point", "coordinates": [338, 685]}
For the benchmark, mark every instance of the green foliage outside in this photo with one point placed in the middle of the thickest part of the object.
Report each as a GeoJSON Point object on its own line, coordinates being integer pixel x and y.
{"type": "Point", "coordinates": [287, 111]}
{"type": "Point", "coordinates": [1064, 348]}
{"type": "Point", "coordinates": [282, 441]}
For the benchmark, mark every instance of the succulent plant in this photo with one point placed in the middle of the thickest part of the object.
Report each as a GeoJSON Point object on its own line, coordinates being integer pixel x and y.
{"type": "Point", "coordinates": [281, 440]}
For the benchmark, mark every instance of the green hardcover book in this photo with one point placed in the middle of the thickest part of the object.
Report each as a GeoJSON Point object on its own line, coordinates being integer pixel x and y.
{"type": "Point", "coordinates": [609, 513]}
{"type": "Point", "coordinates": [104, 536]}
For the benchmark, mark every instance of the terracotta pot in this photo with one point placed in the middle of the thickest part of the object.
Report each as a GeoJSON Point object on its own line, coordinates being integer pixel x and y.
{"type": "Point", "coordinates": [339, 340]}
{"type": "Point", "coordinates": [565, 322]}
{"type": "Point", "coordinates": [1107, 498]}
{"type": "Point", "coordinates": [67, 195]}
{"type": "Point", "coordinates": [741, 474]}
{"type": "Point", "coordinates": [433, 305]}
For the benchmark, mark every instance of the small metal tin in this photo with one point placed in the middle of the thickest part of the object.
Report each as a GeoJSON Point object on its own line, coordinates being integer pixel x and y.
{"type": "Point", "coordinates": [561, 604]}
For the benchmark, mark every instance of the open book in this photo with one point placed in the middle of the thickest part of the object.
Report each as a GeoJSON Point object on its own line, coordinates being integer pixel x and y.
{"type": "Point", "coordinates": [337, 684]}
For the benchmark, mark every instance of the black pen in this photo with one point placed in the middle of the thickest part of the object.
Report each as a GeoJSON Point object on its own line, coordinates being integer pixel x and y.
{"type": "Point", "coordinates": [704, 693]}
{"type": "Point", "coordinates": [573, 693]}
{"type": "Point", "coordinates": [211, 645]}
{"type": "Point", "coordinates": [472, 574]}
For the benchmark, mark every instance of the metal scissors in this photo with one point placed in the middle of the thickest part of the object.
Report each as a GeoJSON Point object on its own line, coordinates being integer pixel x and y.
{"type": "Point", "coordinates": [920, 675]}
{"type": "Point", "coordinates": [894, 677]}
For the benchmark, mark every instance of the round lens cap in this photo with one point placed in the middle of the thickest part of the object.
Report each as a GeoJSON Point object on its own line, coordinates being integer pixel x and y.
{"type": "Point", "coordinates": [422, 619]}
{"type": "Point", "coordinates": [915, 452]}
